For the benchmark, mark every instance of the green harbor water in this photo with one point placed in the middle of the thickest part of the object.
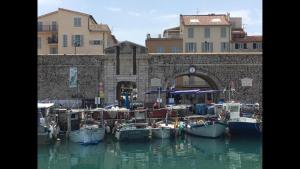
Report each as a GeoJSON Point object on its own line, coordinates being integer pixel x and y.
{"type": "Point", "coordinates": [188, 152]}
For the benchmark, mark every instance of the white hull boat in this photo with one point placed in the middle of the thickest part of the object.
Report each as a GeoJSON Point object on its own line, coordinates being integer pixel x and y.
{"type": "Point", "coordinates": [88, 134]}
{"type": "Point", "coordinates": [213, 130]}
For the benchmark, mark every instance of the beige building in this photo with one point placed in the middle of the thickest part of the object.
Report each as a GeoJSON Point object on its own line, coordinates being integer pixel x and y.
{"type": "Point", "coordinates": [68, 32]}
{"type": "Point", "coordinates": [205, 33]}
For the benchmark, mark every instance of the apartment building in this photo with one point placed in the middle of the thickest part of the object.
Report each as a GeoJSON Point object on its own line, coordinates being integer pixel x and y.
{"type": "Point", "coordinates": [70, 32]}
{"type": "Point", "coordinates": [171, 42]}
{"type": "Point", "coordinates": [205, 33]}
{"type": "Point", "coordinates": [240, 41]}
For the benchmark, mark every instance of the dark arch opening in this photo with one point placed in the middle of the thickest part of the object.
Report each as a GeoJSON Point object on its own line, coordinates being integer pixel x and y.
{"type": "Point", "coordinates": [126, 87]}
{"type": "Point", "coordinates": [194, 81]}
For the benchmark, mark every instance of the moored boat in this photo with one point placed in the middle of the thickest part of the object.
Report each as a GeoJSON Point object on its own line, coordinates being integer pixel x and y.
{"type": "Point", "coordinates": [47, 124]}
{"type": "Point", "coordinates": [133, 131]}
{"type": "Point", "coordinates": [203, 126]}
{"type": "Point", "coordinates": [91, 131]}
{"type": "Point", "coordinates": [238, 125]}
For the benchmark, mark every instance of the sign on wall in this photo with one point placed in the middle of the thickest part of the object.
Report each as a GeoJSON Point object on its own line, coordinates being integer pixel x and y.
{"type": "Point", "coordinates": [155, 82]}
{"type": "Point", "coordinates": [247, 82]}
{"type": "Point", "coordinates": [73, 77]}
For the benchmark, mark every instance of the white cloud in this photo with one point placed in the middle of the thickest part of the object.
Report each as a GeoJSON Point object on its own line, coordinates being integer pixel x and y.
{"type": "Point", "coordinates": [113, 9]}
{"type": "Point", "coordinates": [134, 13]}
{"type": "Point", "coordinates": [152, 11]}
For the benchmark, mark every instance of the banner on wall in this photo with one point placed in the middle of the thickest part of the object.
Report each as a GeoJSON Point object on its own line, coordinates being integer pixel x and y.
{"type": "Point", "coordinates": [73, 77]}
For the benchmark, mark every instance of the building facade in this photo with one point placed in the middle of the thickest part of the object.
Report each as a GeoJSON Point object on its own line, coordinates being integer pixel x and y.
{"type": "Point", "coordinates": [170, 43]}
{"type": "Point", "coordinates": [69, 32]}
{"type": "Point", "coordinates": [205, 33]}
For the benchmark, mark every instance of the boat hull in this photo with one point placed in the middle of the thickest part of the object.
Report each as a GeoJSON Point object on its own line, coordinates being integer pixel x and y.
{"type": "Point", "coordinates": [244, 128]}
{"type": "Point", "coordinates": [87, 135]}
{"type": "Point", "coordinates": [162, 132]}
{"type": "Point", "coordinates": [212, 130]}
{"type": "Point", "coordinates": [132, 134]}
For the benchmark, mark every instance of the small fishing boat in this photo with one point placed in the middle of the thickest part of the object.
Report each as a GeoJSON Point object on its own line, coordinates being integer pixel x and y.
{"type": "Point", "coordinates": [205, 126]}
{"type": "Point", "coordinates": [163, 129]}
{"type": "Point", "coordinates": [92, 130]}
{"type": "Point", "coordinates": [133, 131]}
{"type": "Point", "coordinates": [47, 124]}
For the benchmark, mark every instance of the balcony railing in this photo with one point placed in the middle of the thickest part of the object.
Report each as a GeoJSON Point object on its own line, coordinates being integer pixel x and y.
{"type": "Point", "coordinates": [47, 28]}
{"type": "Point", "coordinates": [52, 40]}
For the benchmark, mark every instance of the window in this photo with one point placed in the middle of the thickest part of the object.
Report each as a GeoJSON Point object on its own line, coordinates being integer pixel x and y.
{"type": "Point", "coordinates": [237, 46]}
{"type": "Point", "coordinates": [78, 39]}
{"type": "Point", "coordinates": [254, 45]}
{"type": "Point", "coordinates": [39, 43]}
{"type": "Point", "coordinates": [77, 22]}
{"type": "Point", "coordinates": [206, 32]}
{"type": "Point", "coordinates": [175, 50]}
{"type": "Point", "coordinates": [40, 26]}
{"type": "Point", "coordinates": [53, 50]}
{"type": "Point", "coordinates": [190, 47]}
{"type": "Point", "coordinates": [160, 50]}
{"type": "Point", "coordinates": [190, 32]}
{"type": "Point", "coordinates": [259, 45]}
{"type": "Point", "coordinates": [207, 47]}
{"type": "Point", "coordinates": [224, 47]}
{"type": "Point", "coordinates": [65, 41]}
{"type": "Point", "coordinates": [223, 32]}
{"type": "Point", "coordinates": [54, 26]}
{"type": "Point", "coordinates": [96, 42]}
{"type": "Point", "coordinates": [245, 45]}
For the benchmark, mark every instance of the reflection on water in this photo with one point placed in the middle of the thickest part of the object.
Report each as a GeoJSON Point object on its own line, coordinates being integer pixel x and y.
{"type": "Point", "coordinates": [190, 152]}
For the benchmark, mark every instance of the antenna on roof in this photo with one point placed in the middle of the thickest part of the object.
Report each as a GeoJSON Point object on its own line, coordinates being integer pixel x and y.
{"type": "Point", "coordinates": [197, 11]}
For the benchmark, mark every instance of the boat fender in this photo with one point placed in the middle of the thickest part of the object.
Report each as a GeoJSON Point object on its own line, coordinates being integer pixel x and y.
{"type": "Point", "coordinates": [107, 129]}
{"type": "Point", "coordinates": [51, 131]}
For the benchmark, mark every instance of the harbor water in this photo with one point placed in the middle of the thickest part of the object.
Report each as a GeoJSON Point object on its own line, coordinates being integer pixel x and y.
{"type": "Point", "coordinates": [188, 152]}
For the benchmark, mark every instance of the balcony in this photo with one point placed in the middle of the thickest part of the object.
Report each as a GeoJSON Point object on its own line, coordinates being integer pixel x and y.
{"type": "Point", "coordinates": [52, 40]}
{"type": "Point", "coordinates": [47, 28]}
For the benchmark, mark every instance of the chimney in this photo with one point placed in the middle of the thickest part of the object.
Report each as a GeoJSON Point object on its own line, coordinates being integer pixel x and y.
{"type": "Point", "coordinates": [148, 36]}
{"type": "Point", "coordinates": [159, 35]}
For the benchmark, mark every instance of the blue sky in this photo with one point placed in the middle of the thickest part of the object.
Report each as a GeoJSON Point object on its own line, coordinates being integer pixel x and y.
{"type": "Point", "coordinates": [132, 19]}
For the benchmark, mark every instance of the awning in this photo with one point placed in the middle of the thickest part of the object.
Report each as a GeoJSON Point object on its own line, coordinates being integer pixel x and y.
{"type": "Point", "coordinates": [45, 105]}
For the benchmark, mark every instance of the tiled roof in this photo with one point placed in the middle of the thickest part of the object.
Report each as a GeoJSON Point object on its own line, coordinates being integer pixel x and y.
{"type": "Point", "coordinates": [249, 39]}
{"type": "Point", "coordinates": [204, 19]}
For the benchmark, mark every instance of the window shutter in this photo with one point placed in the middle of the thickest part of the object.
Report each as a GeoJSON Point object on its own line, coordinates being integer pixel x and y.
{"type": "Point", "coordinates": [81, 40]}
{"type": "Point", "coordinates": [202, 46]}
{"type": "Point", "coordinates": [195, 45]}
{"type": "Point", "coordinates": [211, 47]}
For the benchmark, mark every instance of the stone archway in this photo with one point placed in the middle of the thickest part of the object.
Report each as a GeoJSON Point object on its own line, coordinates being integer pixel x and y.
{"type": "Point", "coordinates": [210, 82]}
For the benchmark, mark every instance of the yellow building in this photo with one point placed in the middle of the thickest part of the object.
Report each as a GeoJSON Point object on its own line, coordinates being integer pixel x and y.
{"type": "Point", "coordinates": [66, 32]}
{"type": "Point", "coordinates": [205, 33]}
